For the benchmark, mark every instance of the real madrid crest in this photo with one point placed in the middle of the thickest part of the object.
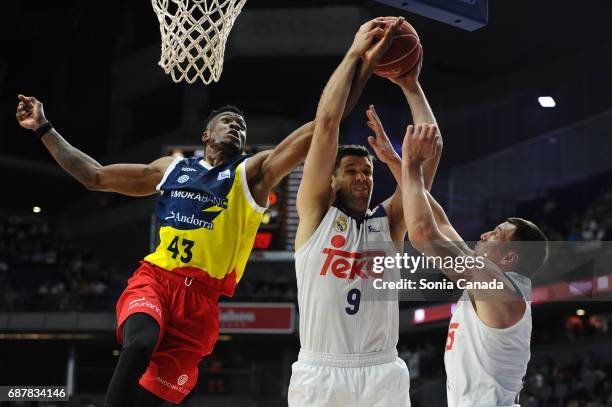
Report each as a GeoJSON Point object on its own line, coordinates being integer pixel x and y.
{"type": "Point", "coordinates": [341, 224]}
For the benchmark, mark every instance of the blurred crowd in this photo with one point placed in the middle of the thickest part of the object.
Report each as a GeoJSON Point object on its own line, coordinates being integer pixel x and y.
{"type": "Point", "coordinates": [281, 288]}
{"type": "Point", "coordinates": [42, 269]}
{"type": "Point", "coordinates": [585, 382]}
{"type": "Point", "coordinates": [424, 360]}
{"type": "Point", "coordinates": [578, 212]}
{"type": "Point", "coordinates": [594, 225]}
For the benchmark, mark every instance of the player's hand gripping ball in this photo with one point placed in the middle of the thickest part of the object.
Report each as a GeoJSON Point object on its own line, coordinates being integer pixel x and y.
{"type": "Point", "coordinates": [403, 54]}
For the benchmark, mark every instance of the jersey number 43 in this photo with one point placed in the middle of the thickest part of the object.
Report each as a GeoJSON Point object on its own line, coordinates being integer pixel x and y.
{"type": "Point", "coordinates": [186, 244]}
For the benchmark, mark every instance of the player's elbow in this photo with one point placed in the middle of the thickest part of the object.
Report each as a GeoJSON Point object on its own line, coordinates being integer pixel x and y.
{"type": "Point", "coordinates": [94, 181]}
{"type": "Point", "coordinates": [421, 233]}
{"type": "Point", "coordinates": [92, 187]}
{"type": "Point", "coordinates": [327, 121]}
{"type": "Point", "coordinates": [309, 128]}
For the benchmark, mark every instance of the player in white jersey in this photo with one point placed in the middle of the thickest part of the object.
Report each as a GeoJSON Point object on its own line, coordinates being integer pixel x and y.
{"type": "Point", "coordinates": [348, 353]}
{"type": "Point", "coordinates": [488, 344]}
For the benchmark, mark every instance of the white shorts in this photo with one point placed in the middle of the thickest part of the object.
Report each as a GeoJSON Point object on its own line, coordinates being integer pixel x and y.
{"type": "Point", "coordinates": [330, 380]}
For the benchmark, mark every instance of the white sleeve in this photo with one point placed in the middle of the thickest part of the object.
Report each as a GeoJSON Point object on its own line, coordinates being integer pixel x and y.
{"type": "Point", "coordinates": [247, 191]}
{"type": "Point", "coordinates": [168, 171]}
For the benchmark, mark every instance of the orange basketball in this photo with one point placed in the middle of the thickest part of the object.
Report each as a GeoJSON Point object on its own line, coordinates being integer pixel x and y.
{"type": "Point", "coordinates": [403, 53]}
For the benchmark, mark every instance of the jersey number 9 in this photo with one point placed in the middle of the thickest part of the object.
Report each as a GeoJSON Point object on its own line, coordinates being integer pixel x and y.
{"type": "Point", "coordinates": [353, 298]}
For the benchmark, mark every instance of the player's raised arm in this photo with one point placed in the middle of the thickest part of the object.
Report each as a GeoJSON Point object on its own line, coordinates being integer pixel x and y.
{"type": "Point", "coordinates": [127, 179]}
{"type": "Point", "coordinates": [424, 234]}
{"type": "Point", "coordinates": [421, 114]}
{"type": "Point", "coordinates": [444, 225]}
{"type": "Point", "coordinates": [419, 146]}
{"type": "Point", "coordinates": [268, 168]}
{"type": "Point", "coordinates": [315, 193]}
{"type": "Point", "coordinates": [386, 153]}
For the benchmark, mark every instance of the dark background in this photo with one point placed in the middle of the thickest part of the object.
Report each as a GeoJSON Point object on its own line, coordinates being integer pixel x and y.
{"type": "Point", "coordinates": [482, 85]}
{"type": "Point", "coordinates": [94, 65]}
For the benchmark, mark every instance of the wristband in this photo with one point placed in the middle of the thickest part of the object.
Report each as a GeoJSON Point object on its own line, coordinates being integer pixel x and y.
{"type": "Point", "coordinates": [42, 130]}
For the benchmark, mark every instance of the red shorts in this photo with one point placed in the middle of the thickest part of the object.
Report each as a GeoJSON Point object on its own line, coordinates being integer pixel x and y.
{"type": "Point", "coordinates": [188, 316]}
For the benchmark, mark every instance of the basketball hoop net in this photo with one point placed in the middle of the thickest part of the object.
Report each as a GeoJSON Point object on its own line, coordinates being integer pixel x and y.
{"type": "Point", "coordinates": [193, 36]}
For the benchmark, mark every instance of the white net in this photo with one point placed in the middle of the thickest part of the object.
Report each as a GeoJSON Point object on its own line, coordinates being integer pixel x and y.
{"type": "Point", "coordinates": [193, 36]}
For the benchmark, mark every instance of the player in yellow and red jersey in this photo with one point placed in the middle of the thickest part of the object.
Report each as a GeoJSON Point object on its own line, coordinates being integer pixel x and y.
{"type": "Point", "coordinates": [210, 210]}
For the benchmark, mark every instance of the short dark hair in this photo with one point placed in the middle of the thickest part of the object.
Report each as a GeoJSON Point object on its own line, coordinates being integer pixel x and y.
{"type": "Point", "coordinates": [531, 255]}
{"type": "Point", "coordinates": [352, 150]}
{"type": "Point", "coordinates": [222, 109]}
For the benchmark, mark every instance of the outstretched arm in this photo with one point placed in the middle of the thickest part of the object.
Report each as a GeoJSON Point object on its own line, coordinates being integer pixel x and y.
{"type": "Point", "coordinates": [385, 152]}
{"type": "Point", "coordinates": [421, 114]}
{"type": "Point", "coordinates": [314, 194]}
{"type": "Point", "coordinates": [420, 145]}
{"type": "Point", "coordinates": [267, 168]}
{"type": "Point", "coordinates": [445, 226]}
{"type": "Point", "coordinates": [127, 179]}
{"type": "Point", "coordinates": [499, 310]}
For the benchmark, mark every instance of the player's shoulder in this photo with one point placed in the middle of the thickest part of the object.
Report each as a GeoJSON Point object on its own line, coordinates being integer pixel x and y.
{"type": "Point", "coordinates": [163, 163]}
{"type": "Point", "coordinates": [377, 212]}
{"type": "Point", "coordinates": [246, 158]}
{"type": "Point", "coordinates": [254, 164]}
{"type": "Point", "coordinates": [257, 159]}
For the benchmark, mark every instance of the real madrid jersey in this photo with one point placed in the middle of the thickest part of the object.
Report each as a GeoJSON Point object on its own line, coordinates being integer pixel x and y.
{"type": "Point", "coordinates": [485, 366]}
{"type": "Point", "coordinates": [208, 219]}
{"type": "Point", "coordinates": [339, 311]}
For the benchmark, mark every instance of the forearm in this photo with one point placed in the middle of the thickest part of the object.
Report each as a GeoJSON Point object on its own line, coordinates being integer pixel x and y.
{"type": "Point", "coordinates": [359, 82]}
{"type": "Point", "coordinates": [423, 231]}
{"type": "Point", "coordinates": [297, 142]}
{"type": "Point", "coordinates": [334, 99]}
{"type": "Point", "coordinates": [422, 114]}
{"type": "Point", "coordinates": [76, 163]}
{"type": "Point", "coordinates": [437, 210]}
{"type": "Point", "coordinates": [395, 166]}
{"type": "Point", "coordinates": [445, 226]}
{"type": "Point", "coordinates": [287, 155]}
{"type": "Point", "coordinates": [419, 106]}
{"type": "Point", "coordinates": [418, 214]}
